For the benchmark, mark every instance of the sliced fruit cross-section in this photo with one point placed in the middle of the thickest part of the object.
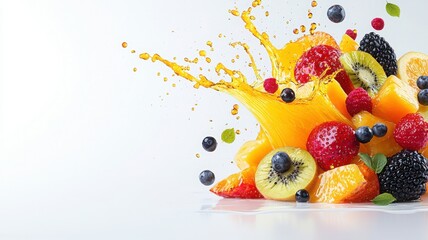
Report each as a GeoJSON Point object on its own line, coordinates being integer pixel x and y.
{"type": "Point", "coordinates": [411, 66]}
{"type": "Point", "coordinates": [283, 186]}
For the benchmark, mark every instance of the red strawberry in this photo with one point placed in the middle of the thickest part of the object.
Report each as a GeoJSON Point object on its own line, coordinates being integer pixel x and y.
{"type": "Point", "coordinates": [332, 144]}
{"type": "Point", "coordinates": [411, 132]}
{"type": "Point", "coordinates": [316, 60]}
{"type": "Point", "coordinates": [351, 33]}
{"type": "Point", "coordinates": [358, 100]}
{"type": "Point", "coordinates": [238, 185]}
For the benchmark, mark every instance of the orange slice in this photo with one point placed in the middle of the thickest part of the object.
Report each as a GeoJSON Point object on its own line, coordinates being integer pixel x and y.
{"type": "Point", "coordinates": [411, 66]}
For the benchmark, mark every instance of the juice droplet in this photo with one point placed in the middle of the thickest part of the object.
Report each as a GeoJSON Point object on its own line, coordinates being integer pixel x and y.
{"type": "Point", "coordinates": [134, 69]}
{"type": "Point", "coordinates": [256, 3]}
{"type": "Point", "coordinates": [313, 28]}
{"type": "Point", "coordinates": [238, 117]}
{"type": "Point", "coordinates": [124, 44]}
{"type": "Point", "coordinates": [314, 3]}
{"type": "Point", "coordinates": [165, 79]}
{"type": "Point", "coordinates": [235, 109]}
{"type": "Point", "coordinates": [267, 13]}
{"type": "Point", "coordinates": [234, 12]}
{"type": "Point", "coordinates": [208, 59]}
{"type": "Point", "coordinates": [198, 155]}
{"type": "Point", "coordinates": [252, 18]}
{"type": "Point", "coordinates": [202, 53]}
{"type": "Point", "coordinates": [238, 132]}
{"type": "Point", "coordinates": [158, 74]}
{"type": "Point", "coordinates": [310, 15]}
{"type": "Point", "coordinates": [144, 56]}
{"type": "Point", "coordinates": [232, 60]}
{"type": "Point", "coordinates": [237, 56]}
{"type": "Point", "coordinates": [296, 31]}
{"type": "Point", "coordinates": [174, 85]}
{"type": "Point", "coordinates": [220, 35]}
{"type": "Point", "coordinates": [193, 109]}
{"type": "Point", "coordinates": [132, 51]}
{"type": "Point", "coordinates": [302, 28]}
{"type": "Point", "coordinates": [209, 43]}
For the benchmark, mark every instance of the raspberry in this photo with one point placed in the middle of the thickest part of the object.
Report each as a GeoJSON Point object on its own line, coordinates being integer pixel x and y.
{"type": "Point", "coordinates": [316, 60]}
{"type": "Point", "coordinates": [351, 33]}
{"type": "Point", "coordinates": [378, 23]}
{"type": "Point", "coordinates": [411, 132]}
{"type": "Point", "coordinates": [332, 144]}
{"type": "Point", "coordinates": [358, 100]}
{"type": "Point", "coordinates": [270, 85]}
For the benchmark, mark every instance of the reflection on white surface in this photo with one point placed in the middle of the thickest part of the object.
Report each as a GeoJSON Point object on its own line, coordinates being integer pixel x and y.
{"type": "Point", "coordinates": [262, 206]}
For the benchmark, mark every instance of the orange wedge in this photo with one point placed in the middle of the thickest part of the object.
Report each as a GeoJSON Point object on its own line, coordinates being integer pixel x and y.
{"type": "Point", "coordinates": [348, 44]}
{"type": "Point", "coordinates": [411, 66]}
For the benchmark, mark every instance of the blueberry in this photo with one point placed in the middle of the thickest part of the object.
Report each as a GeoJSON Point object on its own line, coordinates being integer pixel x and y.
{"type": "Point", "coordinates": [288, 95]}
{"type": "Point", "coordinates": [206, 177]}
{"type": "Point", "coordinates": [281, 162]}
{"type": "Point", "coordinates": [209, 144]}
{"type": "Point", "coordinates": [422, 82]}
{"type": "Point", "coordinates": [379, 129]}
{"type": "Point", "coordinates": [302, 195]}
{"type": "Point", "coordinates": [364, 134]}
{"type": "Point", "coordinates": [423, 97]}
{"type": "Point", "coordinates": [336, 13]}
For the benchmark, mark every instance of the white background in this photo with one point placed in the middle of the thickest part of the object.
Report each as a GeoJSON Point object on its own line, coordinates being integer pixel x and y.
{"type": "Point", "coordinates": [90, 149]}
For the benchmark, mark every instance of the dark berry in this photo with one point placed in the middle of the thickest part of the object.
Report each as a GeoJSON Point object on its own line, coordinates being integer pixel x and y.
{"type": "Point", "coordinates": [209, 144]}
{"type": "Point", "coordinates": [404, 176]}
{"type": "Point", "coordinates": [288, 95]}
{"type": "Point", "coordinates": [281, 162]}
{"type": "Point", "coordinates": [380, 49]}
{"type": "Point", "coordinates": [270, 85]}
{"type": "Point", "coordinates": [422, 82]}
{"type": "Point", "coordinates": [206, 177]}
{"type": "Point", "coordinates": [364, 134]}
{"type": "Point", "coordinates": [379, 129]}
{"type": "Point", "coordinates": [336, 13]}
{"type": "Point", "coordinates": [423, 97]}
{"type": "Point", "coordinates": [378, 23]}
{"type": "Point", "coordinates": [302, 195]}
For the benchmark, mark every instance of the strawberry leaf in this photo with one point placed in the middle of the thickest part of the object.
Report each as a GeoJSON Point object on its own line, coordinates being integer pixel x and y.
{"type": "Point", "coordinates": [228, 135]}
{"type": "Point", "coordinates": [392, 9]}
{"type": "Point", "coordinates": [384, 199]}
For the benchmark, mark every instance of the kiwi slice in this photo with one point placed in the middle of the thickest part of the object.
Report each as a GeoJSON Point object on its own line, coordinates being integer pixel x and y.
{"type": "Point", "coordinates": [364, 71]}
{"type": "Point", "coordinates": [283, 186]}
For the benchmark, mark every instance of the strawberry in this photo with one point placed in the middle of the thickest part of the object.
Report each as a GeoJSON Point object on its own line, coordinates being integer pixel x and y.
{"type": "Point", "coordinates": [358, 100]}
{"type": "Point", "coordinates": [332, 144]}
{"type": "Point", "coordinates": [318, 59]}
{"type": "Point", "coordinates": [238, 185]}
{"type": "Point", "coordinates": [411, 132]}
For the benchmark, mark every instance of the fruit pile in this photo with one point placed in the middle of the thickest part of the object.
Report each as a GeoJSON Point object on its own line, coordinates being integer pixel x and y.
{"type": "Point", "coordinates": [378, 151]}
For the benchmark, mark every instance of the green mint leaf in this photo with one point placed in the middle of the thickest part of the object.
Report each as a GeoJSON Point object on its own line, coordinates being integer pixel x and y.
{"type": "Point", "coordinates": [379, 162]}
{"type": "Point", "coordinates": [384, 199]}
{"type": "Point", "coordinates": [366, 159]}
{"type": "Point", "coordinates": [228, 135]}
{"type": "Point", "coordinates": [392, 9]}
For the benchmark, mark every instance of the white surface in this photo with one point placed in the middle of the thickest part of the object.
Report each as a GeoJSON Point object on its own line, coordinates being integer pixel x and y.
{"type": "Point", "coordinates": [91, 150]}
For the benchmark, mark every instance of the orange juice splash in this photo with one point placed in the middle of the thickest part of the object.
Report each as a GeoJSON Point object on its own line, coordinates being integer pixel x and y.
{"type": "Point", "coordinates": [283, 124]}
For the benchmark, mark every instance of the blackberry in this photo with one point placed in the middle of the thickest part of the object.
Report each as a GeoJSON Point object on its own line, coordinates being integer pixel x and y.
{"type": "Point", "coordinates": [404, 176]}
{"type": "Point", "coordinates": [376, 46]}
